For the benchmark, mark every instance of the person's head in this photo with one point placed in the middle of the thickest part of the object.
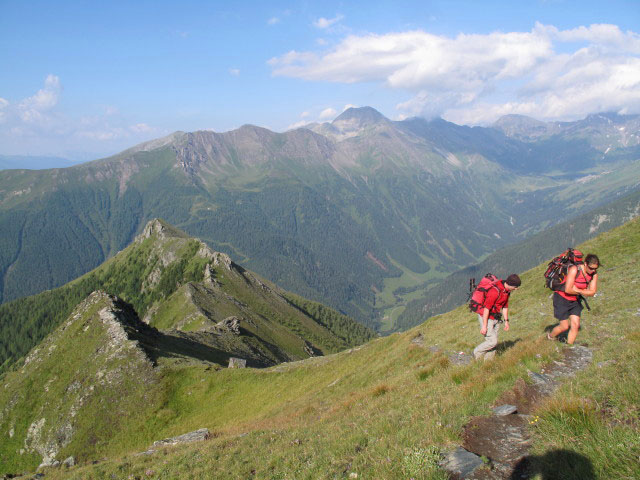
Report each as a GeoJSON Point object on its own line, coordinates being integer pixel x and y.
{"type": "Point", "coordinates": [512, 282]}
{"type": "Point", "coordinates": [591, 263]}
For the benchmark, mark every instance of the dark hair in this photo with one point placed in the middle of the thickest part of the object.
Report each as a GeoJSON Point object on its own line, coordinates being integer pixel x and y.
{"type": "Point", "coordinates": [592, 258]}
{"type": "Point", "coordinates": [513, 280]}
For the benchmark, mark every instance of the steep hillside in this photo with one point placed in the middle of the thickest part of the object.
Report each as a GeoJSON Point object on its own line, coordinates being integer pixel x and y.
{"type": "Point", "coordinates": [176, 282]}
{"type": "Point", "coordinates": [453, 291]}
{"type": "Point", "coordinates": [342, 214]}
{"type": "Point", "coordinates": [391, 408]}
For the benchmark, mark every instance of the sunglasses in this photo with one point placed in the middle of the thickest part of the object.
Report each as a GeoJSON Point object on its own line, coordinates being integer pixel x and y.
{"type": "Point", "coordinates": [593, 269]}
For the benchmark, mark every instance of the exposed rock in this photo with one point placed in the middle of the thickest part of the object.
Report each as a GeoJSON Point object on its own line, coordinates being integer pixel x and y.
{"type": "Point", "coordinates": [155, 226]}
{"type": "Point", "coordinates": [504, 438]}
{"type": "Point", "coordinates": [505, 410]}
{"type": "Point", "coordinates": [418, 340]}
{"type": "Point", "coordinates": [461, 463]}
{"type": "Point", "coordinates": [69, 462]}
{"type": "Point", "coordinates": [460, 358]}
{"type": "Point", "coordinates": [230, 324]}
{"type": "Point", "coordinates": [237, 362]}
{"type": "Point", "coordinates": [222, 260]}
{"type": "Point", "coordinates": [209, 277]}
{"type": "Point", "coordinates": [309, 350]}
{"type": "Point", "coordinates": [196, 436]}
{"type": "Point", "coordinates": [606, 363]}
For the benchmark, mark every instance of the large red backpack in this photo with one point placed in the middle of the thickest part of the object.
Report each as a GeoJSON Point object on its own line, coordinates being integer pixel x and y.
{"type": "Point", "coordinates": [479, 295]}
{"type": "Point", "coordinates": [555, 276]}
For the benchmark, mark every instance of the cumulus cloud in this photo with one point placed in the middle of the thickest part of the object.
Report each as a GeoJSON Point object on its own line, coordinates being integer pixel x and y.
{"type": "Point", "coordinates": [300, 124]}
{"type": "Point", "coordinates": [234, 71]}
{"type": "Point", "coordinates": [36, 123]}
{"type": "Point", "coordinates": [547, 72]}
{"type": "Point", "coordinates": [323, 23]}
{"type": "Point", "coordinates": [318, 116]}
{"type": "Point", "coordinates": [273, 21]}
{"type": "Point", "coordinates": [34, 109]}
{"type": "Point", "coordinates": [328, 113]}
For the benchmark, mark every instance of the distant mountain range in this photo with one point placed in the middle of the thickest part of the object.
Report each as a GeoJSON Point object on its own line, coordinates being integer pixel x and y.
{"type": "Point", "coordinates": [347, 213]}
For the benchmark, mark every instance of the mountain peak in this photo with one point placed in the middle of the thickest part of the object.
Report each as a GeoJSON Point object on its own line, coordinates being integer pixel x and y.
{"type": "Point", "coordinates": [362, 115]}
{"type": "Point", "coordinates": [162, 229]}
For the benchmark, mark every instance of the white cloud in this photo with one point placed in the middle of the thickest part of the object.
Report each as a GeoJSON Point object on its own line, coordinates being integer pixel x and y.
{"type": "Point", "coordinates": [34, 109]}
{"type": "Point", "coordinates": [3, 106]}
{"type": "Point", "coordinates": [36, 125]}
{"type": "Point", "coordinates": [348, 106]}
{"type": "Point", "coordinates": [323, 23]}
{"type": "Point", "coordinates": [328, 113]}
{"type": "Point", "coordinates": [273, 21]}
{"type": "Point", "coordinates": [141, 128]}
{"type": "Point", "coordinates": [234, 71]}
{"type": "Point", "coordinates": [547, 72]}
{"type": "Point", "coordinates": [299, 124]}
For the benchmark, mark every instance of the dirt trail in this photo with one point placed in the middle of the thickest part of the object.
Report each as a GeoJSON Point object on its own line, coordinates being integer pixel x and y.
{"type": "Point", "coordinates": [503, 438]}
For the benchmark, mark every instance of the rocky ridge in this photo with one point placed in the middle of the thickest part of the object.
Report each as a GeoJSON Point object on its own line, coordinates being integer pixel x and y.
{"type": "Point", "coordinates": [98, 339]}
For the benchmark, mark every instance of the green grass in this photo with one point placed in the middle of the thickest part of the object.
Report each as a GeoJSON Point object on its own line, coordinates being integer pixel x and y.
{"type": "Point", "coordinates": [391, 302]}
{"type": "Point", "coordinates": [389, 408]}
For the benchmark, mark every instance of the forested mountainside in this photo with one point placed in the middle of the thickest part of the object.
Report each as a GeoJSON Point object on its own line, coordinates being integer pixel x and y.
{"type": "Point", "coordinates": [175, 282]}
{"type": "Point", "coordinates": [343, 213]}
{"type": "Point", "coordinates": [104, 388]}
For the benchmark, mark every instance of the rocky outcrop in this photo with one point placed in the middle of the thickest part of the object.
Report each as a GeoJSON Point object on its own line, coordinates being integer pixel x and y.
{"type": "Point", "coordinates": [229, 324]}
{"type": "Point", "coordinates": [99, 345]}
{"type": "Point", "coordinates": [237, 362]}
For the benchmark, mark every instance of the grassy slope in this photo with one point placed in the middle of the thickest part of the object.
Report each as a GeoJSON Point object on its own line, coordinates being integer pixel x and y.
{"type": "Point", "coordinates": [385, 409]}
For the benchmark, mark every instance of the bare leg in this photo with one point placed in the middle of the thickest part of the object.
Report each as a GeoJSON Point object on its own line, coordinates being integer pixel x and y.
{"type": "Point", "coordinates": [575, 326]}
{"type": "Point", "coordinates": [563, 326]}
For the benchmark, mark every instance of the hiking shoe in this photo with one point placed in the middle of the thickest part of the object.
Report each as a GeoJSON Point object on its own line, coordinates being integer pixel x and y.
{"type": "Point", "coordinates": [549, 337]}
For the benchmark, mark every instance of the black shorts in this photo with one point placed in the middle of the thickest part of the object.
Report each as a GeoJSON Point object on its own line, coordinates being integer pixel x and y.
{"type": "Point", "coordinates": [562, 307]}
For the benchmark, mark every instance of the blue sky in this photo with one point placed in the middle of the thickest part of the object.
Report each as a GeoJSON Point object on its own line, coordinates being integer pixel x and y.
{"type": "Point", "coordinates": [86, 79]}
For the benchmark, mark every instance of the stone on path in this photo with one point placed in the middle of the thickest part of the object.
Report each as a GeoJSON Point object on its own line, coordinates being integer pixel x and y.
{"type": "Point", "coordinates": [505, 410]}
{"type": "Point", "coordinates": [461, 463]}
{"type": "Point", "coordinates": [198, 435]}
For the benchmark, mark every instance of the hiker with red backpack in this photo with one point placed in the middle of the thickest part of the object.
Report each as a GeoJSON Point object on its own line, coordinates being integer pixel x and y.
{"type": "Point", "coordinates": [490, 301]}
{"type": "Point", "coordinates": [574, 280]}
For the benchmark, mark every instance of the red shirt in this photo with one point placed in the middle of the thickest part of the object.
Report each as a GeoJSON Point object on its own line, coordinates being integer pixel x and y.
{"type": "Point", "coordinates": [496, 300]}
{"type": "Point", "coordinates": [582, 281]}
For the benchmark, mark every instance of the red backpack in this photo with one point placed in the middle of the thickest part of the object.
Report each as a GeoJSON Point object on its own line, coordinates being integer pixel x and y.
{"type": "Point", "coordinates": [556, 274]}
{"type": "Point", "coordinates": [479, 295]}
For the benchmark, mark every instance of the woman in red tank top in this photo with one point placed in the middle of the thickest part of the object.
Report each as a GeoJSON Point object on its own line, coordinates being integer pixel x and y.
{"type": "Point", "coordinates": [581, 280]}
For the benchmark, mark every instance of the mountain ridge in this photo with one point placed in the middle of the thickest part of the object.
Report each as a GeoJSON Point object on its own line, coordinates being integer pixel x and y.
{"type": "Point", "coordinates": [177, 283]}
{"type": "Point", "coordinates": [309, 211]}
